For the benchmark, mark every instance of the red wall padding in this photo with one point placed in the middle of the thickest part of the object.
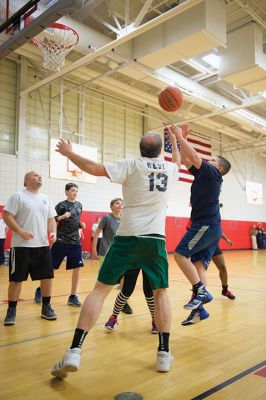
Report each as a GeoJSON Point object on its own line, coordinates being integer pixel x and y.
{"type": "Point", "coordinates": [237, 231]}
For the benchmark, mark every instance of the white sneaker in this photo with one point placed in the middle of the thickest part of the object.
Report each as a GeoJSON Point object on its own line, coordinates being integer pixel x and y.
{"type": "Point", "coordinates": [164, 361]}
{"type": "Point", "coordinates": [69, 363]}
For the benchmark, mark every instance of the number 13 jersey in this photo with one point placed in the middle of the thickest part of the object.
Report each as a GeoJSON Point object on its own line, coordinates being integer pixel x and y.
{"type": "Point", "coordinates": [146, 183]}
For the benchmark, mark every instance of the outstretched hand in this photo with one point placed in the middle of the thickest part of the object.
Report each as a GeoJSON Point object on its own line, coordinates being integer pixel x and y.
{"type": "Point", "coordinates": [168, 134]}
{"type": "Point", "coordinates": [64, 147]}
{"type": "Point", "coordinates": [185, 131]}
{"type": "Point", "coordinates": [172, 133]}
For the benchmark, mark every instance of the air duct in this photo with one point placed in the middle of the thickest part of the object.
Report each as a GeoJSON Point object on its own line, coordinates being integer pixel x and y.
{"type": "Point", "coordinates": [244, 66]}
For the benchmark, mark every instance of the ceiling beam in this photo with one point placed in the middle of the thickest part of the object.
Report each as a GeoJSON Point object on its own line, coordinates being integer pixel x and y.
{"type": "Point", "coordinates": [112, 45]}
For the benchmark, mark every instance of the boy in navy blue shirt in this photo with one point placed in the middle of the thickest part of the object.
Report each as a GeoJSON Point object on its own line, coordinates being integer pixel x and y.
{"type": "Point", "coordinates": [195, 250]}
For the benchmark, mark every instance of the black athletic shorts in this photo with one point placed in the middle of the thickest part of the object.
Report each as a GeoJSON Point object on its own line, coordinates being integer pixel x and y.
{"type": "Point", "coordinates": [72, 252]}
{"type": "Point", "coordinates": [217, 252]}
{"type": "Point", "coordinates": [36, 261]}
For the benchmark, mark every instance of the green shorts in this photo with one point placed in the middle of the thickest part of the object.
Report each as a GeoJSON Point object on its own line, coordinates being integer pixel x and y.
{"type": "Point", "coordinates": [134, 252]}
{"type": "Point", "coordinates": [101, 260]}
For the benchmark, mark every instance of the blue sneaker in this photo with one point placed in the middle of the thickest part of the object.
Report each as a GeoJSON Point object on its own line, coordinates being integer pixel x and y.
{"type": "Point", "coordinates": [38, 296]}
{"type": "Point", "coordinates": [196, 316]}
{"type": "Point", "coordinates": [201, 297]}
{"type": "Point", "coordinates": [74, 301]}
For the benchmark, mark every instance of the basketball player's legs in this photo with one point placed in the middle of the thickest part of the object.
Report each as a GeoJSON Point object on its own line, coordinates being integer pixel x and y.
{"type": "Point", "coordinates": [46, 287]}
{"type": "Point", "coordinates": [163, 323]}
{"type": "Point", "coordinates": [58, 252]}
{"type": "Point", "coordinates": [129, 284]}
{"type": "Point", "coordinates": [201, 261]}
{"type": "Point", "coordinates": [199, 244]}
{"type": "Point", "coordinates": [162, 310]}
{"type": "Point", "coordinates": [14, 290]}
{"type": "Point", "coordinates": [187, 267]}
{"type": "Point", "coordinates": [155, 266]}
{"type": "Point", "coordinates": [42, 269]}
{"type": "Point", "coordinates": [92, 306]}
{"type": "Point", "coordinates": [74, 262]}
{"type": "Point", "coordinates": [198, 314]}
{"type": "Point", "coordinates": [219, 261]}
{"type": "Point", "coordinates": [191, 243]}
{"type": "Point", "coordinates": [220, 264]}
{"type": "Point", "coordinates": [201, 270]}
{"type": "Point", "coordinates": [122, 256]}
{"type": "Point", "coordinates": [149, 297]}
{"type": "Point", "coordinates": [75, 280]}
{"type": "Point", "coordinates": [19, 261]}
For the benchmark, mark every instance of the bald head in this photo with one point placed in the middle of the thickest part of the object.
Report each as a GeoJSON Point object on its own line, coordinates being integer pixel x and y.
{"type": "Point", "coordinates": [33, 181]}
{"type": "Point", "coordinates": [150, 145]}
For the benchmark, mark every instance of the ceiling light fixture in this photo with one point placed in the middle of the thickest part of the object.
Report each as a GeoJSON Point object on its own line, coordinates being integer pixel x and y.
{"type": "Point", "coordinates": [212, 59]}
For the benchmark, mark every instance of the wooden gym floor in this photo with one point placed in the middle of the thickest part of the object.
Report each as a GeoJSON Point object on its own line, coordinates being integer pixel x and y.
{"type": "Point", "coordinates": [221, 358]}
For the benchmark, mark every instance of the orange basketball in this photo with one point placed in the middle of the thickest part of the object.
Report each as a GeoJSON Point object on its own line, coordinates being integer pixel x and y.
{"type": "Point", "coordinates": [170, 99]}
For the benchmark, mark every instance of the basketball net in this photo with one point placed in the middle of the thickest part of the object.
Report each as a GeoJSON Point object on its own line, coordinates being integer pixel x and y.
{"type": "Point", "coordinates": [56, 42]}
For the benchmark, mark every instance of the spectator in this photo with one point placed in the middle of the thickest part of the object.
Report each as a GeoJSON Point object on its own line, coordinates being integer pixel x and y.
{"type": "Point", "coordinates": [260, 237]}
{"type": "Point", "coordinates": [253, 234]}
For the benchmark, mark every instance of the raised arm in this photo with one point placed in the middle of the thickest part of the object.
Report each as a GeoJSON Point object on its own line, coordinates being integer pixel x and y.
{"type": "Point", "coordinates": [176, 158]}
{"type": "Point", "coordinates": [189, 156]}
{"type": "Point", "coordinates": [64, 147]}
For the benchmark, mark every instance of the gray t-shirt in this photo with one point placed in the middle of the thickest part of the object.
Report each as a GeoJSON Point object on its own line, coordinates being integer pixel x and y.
{"type": "Point", "coordinates": [109, 225]}
{"type": "Point", "coordinates": [31, 211]}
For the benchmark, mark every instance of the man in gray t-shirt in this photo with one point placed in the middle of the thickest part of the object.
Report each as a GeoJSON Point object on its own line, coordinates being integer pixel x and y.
{"type": "Point", "coordinates": [108, 225]}
{"type": "Point", "coordinates": [29, 214]}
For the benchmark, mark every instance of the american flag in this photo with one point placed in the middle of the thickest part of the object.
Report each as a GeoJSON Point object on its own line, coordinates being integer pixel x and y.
{"type": "Point", "coordinates": [200, 144]}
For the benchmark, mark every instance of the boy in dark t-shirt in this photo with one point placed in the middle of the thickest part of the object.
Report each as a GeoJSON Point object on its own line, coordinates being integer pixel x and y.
{"type": "Point", "coordinates": [195, 250]}
{"type": "Point", "coordinates": [68, 239]}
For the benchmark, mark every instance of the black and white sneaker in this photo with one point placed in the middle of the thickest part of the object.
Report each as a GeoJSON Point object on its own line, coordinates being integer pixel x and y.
{"type": "Point", "coordinates": [48, 312]}
{"type": "Point", "coordinates": [38, 296]}
{"type": "Point", "coordinates": [10, 316]}
{"type": "Point", "coordinates": [196, 316]}
{"type": "Point", "coordinates": [127, 309]}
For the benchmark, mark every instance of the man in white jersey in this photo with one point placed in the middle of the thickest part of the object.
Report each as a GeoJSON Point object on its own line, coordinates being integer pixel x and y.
{"type": "Point", "coordinates": [29, 214]}
{"type": "Point", "coordinates": [139, 243]}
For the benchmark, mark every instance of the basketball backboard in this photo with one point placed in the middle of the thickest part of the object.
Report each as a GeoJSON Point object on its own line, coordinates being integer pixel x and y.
{"type": "Point", "coordinates": [62, 168]}
{"type": "Point", "coordinates": [18, 13]}
{"type": "Point", "coordinates": [21, 20]}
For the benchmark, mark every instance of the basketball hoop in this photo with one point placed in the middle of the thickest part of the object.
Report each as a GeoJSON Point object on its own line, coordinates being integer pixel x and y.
{"type": "Point", "coordinates": [75, 172]}
{"type": "Point", "coordinates": [56, 42]}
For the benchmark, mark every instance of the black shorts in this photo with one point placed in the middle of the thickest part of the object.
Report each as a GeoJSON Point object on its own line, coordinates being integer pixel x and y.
{"type": "Point", "coordinates": [36, 261]}
{"type": "Point", "coordinates": [217, 252]}
{"type": "Point", "coordinates": [73, 253]}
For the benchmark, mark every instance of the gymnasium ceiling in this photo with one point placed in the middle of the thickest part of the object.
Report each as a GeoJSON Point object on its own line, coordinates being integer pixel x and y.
{"type": "Point", "coordinates": [228, 100]}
